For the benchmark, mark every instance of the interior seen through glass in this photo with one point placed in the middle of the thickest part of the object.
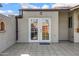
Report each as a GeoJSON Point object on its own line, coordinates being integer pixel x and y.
{"type": "Point", "coordinates": [35, 26]}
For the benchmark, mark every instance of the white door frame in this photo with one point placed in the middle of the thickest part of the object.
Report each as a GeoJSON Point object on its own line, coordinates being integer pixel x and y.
{"type": "Point", "coordinates": [39, 40]}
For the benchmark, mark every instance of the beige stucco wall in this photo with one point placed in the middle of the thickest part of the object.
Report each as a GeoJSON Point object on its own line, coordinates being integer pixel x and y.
{"type": "Point", "coordinates": [63, 25]}
{"type": "Point", "coordinates": [7, 38]}
{"type": "Point", "coordinates": [23, 26]}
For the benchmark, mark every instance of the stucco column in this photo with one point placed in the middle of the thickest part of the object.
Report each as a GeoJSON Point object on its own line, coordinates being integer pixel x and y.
{"type": "Point", "coordinates": [76, 34]}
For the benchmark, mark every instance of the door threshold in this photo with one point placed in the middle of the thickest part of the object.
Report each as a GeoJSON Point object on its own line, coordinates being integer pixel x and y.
{"type": "Point", "coordinates": [44, 43]}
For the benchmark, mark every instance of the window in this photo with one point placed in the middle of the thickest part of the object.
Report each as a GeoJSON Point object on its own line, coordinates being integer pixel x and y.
{"type": "Point", "coordinates": [78, 21]}
{"type": "Point", "coordinates": [78, 25]}
{"type": "Point", "coordinates": [2, 26]}
{"type": "Point", "coordinates": [70, 22]}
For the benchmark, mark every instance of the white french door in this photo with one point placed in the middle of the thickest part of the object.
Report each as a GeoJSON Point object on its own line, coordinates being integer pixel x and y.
{"type": "Point", "coordinates": [39, 30]}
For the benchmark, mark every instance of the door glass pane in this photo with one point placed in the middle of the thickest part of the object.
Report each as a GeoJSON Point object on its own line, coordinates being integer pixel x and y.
{"type": "Point", "coordinates": [34, 29]}
{"type": "Point", "coordinates": [45, 29]}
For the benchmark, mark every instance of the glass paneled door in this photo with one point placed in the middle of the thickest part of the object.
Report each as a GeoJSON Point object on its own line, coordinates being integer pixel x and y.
{"type": "Point", "coordinates": [39, 30]}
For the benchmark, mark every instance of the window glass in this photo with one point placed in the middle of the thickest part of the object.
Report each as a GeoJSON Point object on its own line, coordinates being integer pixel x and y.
{"type": "Point", "coordinates": [2, 26]}
{"type": "Point", "coordinates": [70, 22]}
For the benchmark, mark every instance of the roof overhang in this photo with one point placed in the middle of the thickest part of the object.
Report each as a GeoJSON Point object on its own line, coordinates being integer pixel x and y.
{"type": "Point", "coordinates": [74, 8]}
{"type": "Point", "coordinates": [44, 9]}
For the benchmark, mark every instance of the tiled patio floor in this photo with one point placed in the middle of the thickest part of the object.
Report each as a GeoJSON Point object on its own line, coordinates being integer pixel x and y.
{"type": "Point", "coordinates": [35, 49]}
